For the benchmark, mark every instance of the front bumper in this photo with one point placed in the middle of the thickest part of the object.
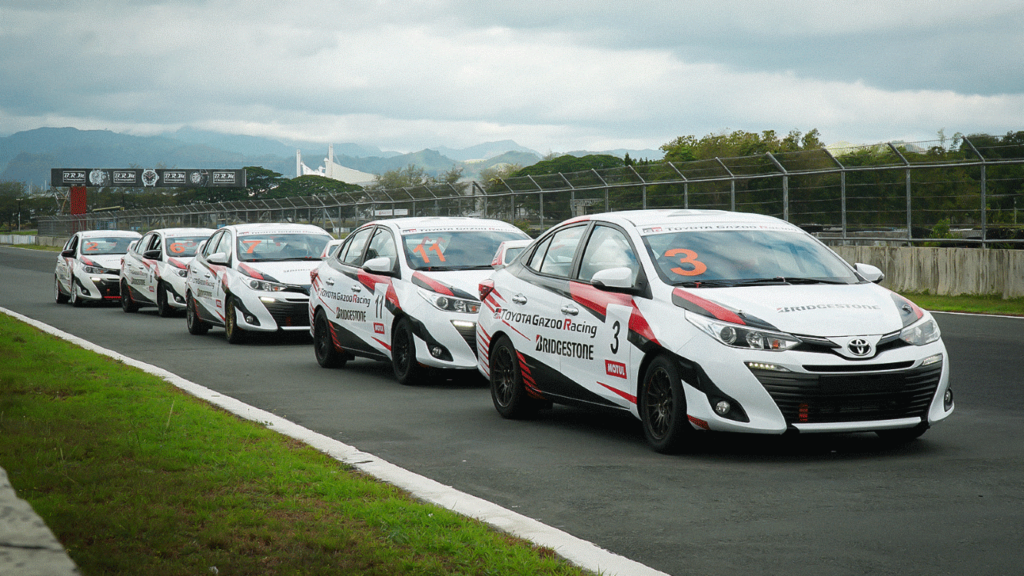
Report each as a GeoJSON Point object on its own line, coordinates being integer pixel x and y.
{"type": "Point", "coordinates": [106, 287]}
{"type": "Point", "coordinates": [814, 392]}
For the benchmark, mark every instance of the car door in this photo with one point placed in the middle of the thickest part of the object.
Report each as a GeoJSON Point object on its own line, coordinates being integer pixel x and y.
{"type": "Point", "coordinates": [65, 263]}
{"type": "Point", "coordinates": [534, 298]}
{"type": "Point", "coordinates": [134, 268]}
{"type": "Point", "coordinates": [204, 276]}
{"type": "Point", "coordinates": [346, 300]}
{"type": "Point", "coordinates": [602, 318]}
{"type": "Point", "coordinates": [151, 271]}
{"type": "Point", "coordinates": [375, 287]}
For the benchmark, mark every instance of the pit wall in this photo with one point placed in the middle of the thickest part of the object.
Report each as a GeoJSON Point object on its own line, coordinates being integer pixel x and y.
{"type": "Point", "coordinates": [944, 271]}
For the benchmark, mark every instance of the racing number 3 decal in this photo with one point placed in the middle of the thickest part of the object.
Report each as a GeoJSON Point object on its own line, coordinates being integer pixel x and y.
{"type": "Point", "coordinates": [687, 257]}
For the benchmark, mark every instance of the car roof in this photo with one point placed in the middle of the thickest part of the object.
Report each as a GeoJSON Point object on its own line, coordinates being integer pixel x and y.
{"type": "Point", "coordinates": [433, 223]}
{"type": "Point", "coordinates": [277, 226]}
{"type": "Point", "coordinates": [109, 233]}
{"type": "Point", "coordinates": [175, 232]}
{"type": "Point", "coordinates": [648, 218]}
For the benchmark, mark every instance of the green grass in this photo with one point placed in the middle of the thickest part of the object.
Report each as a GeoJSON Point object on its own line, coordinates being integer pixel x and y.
{"type": "Point", "coordinates": [137, 477]}
{"type": "Point", "coordinates": [991, 304]}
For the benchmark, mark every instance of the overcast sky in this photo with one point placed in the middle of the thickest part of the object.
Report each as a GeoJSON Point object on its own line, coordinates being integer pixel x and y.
{"type": "Point", "coordinates": [552, 75]}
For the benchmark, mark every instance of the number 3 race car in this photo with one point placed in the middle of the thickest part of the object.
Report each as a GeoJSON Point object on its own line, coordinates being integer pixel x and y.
{"type": "Point", "coordinates": [708, 320]}
{"type": "Point", "coordinates": [89, 265]}
{"type": "Point", "coordinates": [403, 291]}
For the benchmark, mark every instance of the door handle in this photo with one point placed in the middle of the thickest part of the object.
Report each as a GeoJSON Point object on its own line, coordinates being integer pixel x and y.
{"type": "Point", "coordinates": [357, 287]}
{"type": "Point", "coordinates": [519, 299]}
{"type": "Point", "coordinates": [329, 282]}
{"type": "Point", "coordinates": [570, 310]}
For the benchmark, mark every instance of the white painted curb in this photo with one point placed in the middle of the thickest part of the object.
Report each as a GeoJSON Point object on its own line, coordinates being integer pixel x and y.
{"type": "Point", "coordinates": [573, 549]}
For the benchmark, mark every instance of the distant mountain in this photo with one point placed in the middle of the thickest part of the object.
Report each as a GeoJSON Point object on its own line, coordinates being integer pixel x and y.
{"type": "Point", "coordinates": [484, 151]}
{"type": "Point", "coordinates": [28, 156]}
{"type": "Point", "coordinates": [646, 154]}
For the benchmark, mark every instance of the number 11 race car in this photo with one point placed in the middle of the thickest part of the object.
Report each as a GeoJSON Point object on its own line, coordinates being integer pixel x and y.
{"type": "Point", "coordinates": [707, 320]}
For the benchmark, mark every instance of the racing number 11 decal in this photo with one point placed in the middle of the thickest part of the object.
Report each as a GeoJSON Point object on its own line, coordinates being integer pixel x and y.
{"type": "Point", "coordinates": [687, 257]}
{"type": "Point", "coordinates": [422, 252]}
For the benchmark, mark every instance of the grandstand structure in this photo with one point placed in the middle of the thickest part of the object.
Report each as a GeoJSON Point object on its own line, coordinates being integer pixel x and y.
{"type": "Point", "coordinates": [332, 170]}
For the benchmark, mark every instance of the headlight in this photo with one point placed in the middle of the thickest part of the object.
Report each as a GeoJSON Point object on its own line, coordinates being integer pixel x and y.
{"type": "Point", "coordinates": [450, 303]}
{"type": "Point", "coordinates": [738, 336]}
{"type": "Point", "coordinates": [94, 270]}
{"type": "Point", "coordinates": [264, 286]}
{"type": "Point", "coordinates": [182, 272]}
{"type": "Point", "coordinates": [921, 333]}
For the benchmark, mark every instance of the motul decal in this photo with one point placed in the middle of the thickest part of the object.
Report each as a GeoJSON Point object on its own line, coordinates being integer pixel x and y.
{"type": "Point", "coordinates": [613, 368]}
{"type": "Point", "coordinates": [378, 328]}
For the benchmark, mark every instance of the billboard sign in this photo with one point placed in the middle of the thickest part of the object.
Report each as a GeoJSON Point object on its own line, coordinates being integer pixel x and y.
{"type": "Point", "coordinates": [148, 177]}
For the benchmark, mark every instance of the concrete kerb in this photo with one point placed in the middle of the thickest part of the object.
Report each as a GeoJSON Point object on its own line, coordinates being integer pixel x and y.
{"type": "Point", "coordinates": [580, 552]}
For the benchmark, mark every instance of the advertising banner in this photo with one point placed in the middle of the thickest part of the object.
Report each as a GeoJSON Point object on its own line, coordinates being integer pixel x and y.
{"type": "Point", "coordinates": [148, 177]}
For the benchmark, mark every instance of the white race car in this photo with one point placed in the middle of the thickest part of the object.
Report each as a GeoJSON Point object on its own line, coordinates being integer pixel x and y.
{"type": "Point", "coordinates": [253, 278]}
{"type": "Point", "coordinates": [403, 290]}
{"type": "Point", "coordinates": [708, 320]}
{"type": "Point", "coordinates": [153, 271]}
{"type": "Point", "coordinates": [88, 266]}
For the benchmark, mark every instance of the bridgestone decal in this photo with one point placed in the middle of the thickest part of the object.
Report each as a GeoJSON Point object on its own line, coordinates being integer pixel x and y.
{"type": "Point", "coordinates": [565, 348]}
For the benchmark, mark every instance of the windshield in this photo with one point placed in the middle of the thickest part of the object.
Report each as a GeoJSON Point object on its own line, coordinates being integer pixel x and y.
{"type": "Point", "coordinates": [745, 256]}
{"type": "Point", "coordinates": [270, 247]}
{"type": "Point", "coordinates": [455, 250]}
{"type": "Point", "coordinates": [182, 247]}
{"type": "Point", "coordinates": [101, 246]}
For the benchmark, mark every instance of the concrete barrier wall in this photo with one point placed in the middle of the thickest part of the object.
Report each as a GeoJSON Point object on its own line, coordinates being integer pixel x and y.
{"type": "Point", "coordinates": [944, 271]}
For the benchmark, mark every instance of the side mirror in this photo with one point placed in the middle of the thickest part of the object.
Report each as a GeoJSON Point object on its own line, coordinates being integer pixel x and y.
{"type": "Point", "coordinates": [218, 259]}
{"type": "Point", "coordinates": [67, 254]}
{"type": "Point", "coordinates": [381, 265]}
{"type": "Point", "coordinates": [869, 272]}
{"type": "Point", "coordinates": [614, 279]}
{"type": "Point", "coordinates": [151, 254]}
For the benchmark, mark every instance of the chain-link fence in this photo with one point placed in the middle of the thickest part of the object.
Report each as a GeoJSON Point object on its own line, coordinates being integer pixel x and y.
{"type": "Point", "coordinates": [893, 193]}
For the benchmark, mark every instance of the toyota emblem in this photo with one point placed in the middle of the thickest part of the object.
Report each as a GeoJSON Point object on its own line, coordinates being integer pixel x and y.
{"type": "Point", "coordinates": [859, 347]}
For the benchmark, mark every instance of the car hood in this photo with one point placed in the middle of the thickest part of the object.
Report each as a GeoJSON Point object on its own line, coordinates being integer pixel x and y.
{"type": "Point", "coordinates": [815, 310]}
{"type": "Point", "coordinates": [461, 283]}
{"type": "Point", "coordinates": [294, 272]}
{"type": "Point", "coordinates": [112, 261]}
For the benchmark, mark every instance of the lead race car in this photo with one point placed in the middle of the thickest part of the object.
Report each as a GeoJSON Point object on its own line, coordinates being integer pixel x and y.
{"type": "Point", "coordinates": [88, 266]}
{"type": "Point", "coordinates": [154, 270]}
{"type": "Point", "coordinates": [708, 320]}
{"type": "Point", "coordinates": [403, 291]}
{"type": "Point", "coordinates": [253, 278]}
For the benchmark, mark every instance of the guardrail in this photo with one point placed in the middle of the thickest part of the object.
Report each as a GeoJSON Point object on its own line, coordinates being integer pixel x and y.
{"type": "Point", "coordinates": [885, 194]}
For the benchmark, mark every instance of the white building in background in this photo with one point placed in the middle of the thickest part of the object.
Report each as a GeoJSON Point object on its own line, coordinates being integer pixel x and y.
{"type": "Point", "coordinates": [332, 170]}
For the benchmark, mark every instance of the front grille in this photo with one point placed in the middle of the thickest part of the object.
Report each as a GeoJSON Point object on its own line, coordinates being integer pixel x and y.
{"type": "Point", "coordinates": [827, 398]}
{"type": "Point", "coordinates": [469, 335]}
{"type": "Point", "coordinates": [288, 314]}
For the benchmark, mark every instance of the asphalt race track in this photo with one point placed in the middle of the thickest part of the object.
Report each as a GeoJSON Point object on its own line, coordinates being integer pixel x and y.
{"type": "Point", "coordinates": [949, 503]}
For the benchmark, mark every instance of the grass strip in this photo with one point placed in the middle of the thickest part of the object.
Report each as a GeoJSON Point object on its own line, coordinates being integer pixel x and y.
{"type": "Point", "coordinates": [990, 304]}
{"type": "Point", "coordinates": [136, 477]}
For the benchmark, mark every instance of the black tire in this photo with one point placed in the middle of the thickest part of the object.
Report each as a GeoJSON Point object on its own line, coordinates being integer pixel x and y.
{"type": "Point", "coordinates": [327, 356]}
{"type": "Point", "coordinates": [507, 389]}
{"type": "Point", "coordinates": [403, 354]}
{"type": "Point", "coordinates": [58, 296]}
{"type": "Point", "coordinates": [902, 435]}
{"type": "Point", "coordinates": [663, 407]}
{"type": "Point", "coordinates": [234, 334]}
{"type": "Point", "coordinates": [127, 304]}
{"type": "Point", "coordinates": [162, 307]}
{"type": "Point", "coordinates": [195, 325]}
{"type": "Point", "coordinates": [75, 298]}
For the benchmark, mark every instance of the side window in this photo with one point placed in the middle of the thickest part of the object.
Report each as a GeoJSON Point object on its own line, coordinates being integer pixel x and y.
{"type": "Point", "coordinates": [352, 253]}
{"type": "Point", "coordinates": [154, 243]}
{"type": "Point", "coordinates": [73, 243]}
{"type": "Point", "coordinates": [558, 257]}
{"type": "Point", "coordinates": [211, 246]}
{"type": "Point", "coordinates": [538, 255]}
{"type": "Point", "coordinates": [383, 244]}
{"type": "Point", "coordinates": [607, 248]}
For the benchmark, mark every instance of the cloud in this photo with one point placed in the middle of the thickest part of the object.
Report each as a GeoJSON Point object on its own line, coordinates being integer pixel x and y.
{"type": "Point", "coordinates": [552, 76]}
